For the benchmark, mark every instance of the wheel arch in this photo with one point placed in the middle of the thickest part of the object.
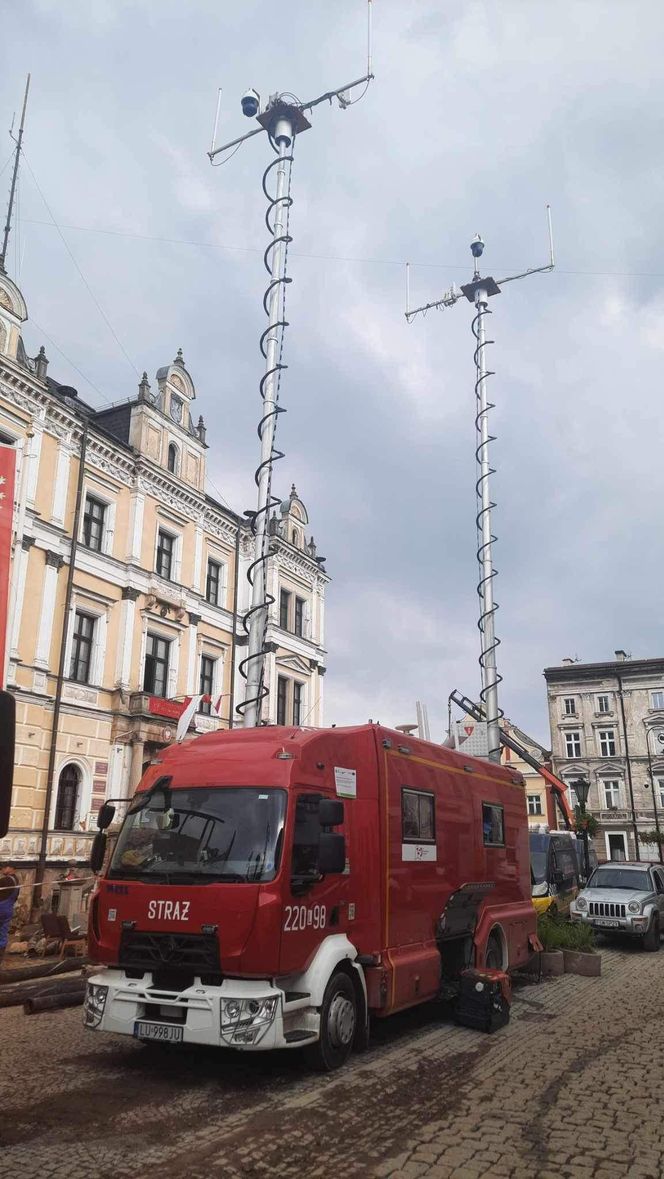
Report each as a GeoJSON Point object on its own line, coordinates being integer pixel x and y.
{"type": "Point", "coordinates": [334, 953]}
{"type": "Point", "coordinates": [497, 933]}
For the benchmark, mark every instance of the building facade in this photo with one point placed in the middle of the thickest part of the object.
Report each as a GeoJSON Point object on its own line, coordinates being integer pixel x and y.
{"type": "Point", "coordinates": [607, 725]}
{"type": "Point", "coordinates": [131, 579]}
{"type": "Point", "coordinates": [535, 784]}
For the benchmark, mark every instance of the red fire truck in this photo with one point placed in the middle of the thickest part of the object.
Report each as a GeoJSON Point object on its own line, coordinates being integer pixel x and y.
{"type": "Point", "coordinates": [276, 887]}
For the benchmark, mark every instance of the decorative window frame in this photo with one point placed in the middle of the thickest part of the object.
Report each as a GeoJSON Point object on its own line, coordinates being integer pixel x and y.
{"type": "Point", "coordinates": [173, 530]}
{"type": "Point", "coordinates": [84, 801]}
{"type": "Point", "coordinates": [110, 503]}
{"type": "Point", "coordinates": [100, 611]}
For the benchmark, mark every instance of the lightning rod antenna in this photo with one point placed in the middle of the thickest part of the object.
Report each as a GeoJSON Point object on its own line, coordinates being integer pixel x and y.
{"type": "Point", "coordinates": [478, 292]}
{"type": "Point", "coordinates": [216, 124]}
{"type": "Point", "coordinates": [283, 118]}
{"type": "Point", "coordinates": [18, 140]}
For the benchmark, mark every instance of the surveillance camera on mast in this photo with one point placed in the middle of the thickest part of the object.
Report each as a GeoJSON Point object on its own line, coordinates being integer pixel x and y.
{"type": "Point", "coordinates": [476, 246]}
{"type": "Point", "coordinates": [251, 103]}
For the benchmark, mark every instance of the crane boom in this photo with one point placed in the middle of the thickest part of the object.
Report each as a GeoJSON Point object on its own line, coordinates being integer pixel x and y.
{"type": "Point", "coordinates": [556, 785]}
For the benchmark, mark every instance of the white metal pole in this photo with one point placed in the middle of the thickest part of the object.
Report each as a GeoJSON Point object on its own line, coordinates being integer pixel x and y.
{"type": "Point", "coordinates": [484, 556]}
{"type": "Point", "coordinates": [283, 135]}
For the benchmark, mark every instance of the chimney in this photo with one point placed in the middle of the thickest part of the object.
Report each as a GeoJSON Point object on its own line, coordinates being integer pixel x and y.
{"type": "Point", "coordinates": [41, 364]}
{"type": "Point", "coordinates": [620, 656]}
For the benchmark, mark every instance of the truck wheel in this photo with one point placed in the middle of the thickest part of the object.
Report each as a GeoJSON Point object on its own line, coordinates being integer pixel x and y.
{"type": "Point", "coordinates": [651, 938]}
{"type": "Point", "coordinates": [338, 1021]}
{"type": "Point", "coordinates": [493, 959]}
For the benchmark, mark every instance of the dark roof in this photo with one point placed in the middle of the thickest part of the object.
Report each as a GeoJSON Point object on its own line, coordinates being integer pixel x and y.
{"type": "Point", "coordinates": [569, 672]}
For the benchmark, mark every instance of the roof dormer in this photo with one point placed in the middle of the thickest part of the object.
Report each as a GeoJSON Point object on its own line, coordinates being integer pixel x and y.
{"type": "Point", "coordinates": [13, 313]}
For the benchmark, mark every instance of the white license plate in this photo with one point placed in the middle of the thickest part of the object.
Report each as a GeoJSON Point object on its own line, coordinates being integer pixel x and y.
{"type": "Point", "coordinates": [606, 922]}
{"type": "Point", "coordinates": [170, 1034]}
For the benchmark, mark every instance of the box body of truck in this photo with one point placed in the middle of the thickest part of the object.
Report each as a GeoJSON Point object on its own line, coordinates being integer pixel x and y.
{"type": "Point", "coordinates": [216, 925]}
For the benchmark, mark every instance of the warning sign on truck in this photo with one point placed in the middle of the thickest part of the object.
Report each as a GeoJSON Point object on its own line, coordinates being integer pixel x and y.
{"type": "Point", "coordinates": [345, 782]}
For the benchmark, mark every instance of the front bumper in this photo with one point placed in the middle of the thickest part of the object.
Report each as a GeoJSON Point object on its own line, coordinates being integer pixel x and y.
{"type": "Point", "coordinates": [198, 1011]}
{"type": "Point", "coordinates": [635, 924]}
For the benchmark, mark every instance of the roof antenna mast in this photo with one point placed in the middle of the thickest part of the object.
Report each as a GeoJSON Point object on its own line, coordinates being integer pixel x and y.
{"type": "Point", "coordinates": [478, 291]}
{"type": "Point", "coordinates": [283, 117]}
{"type": "Point", "coordinates": [18, 140]}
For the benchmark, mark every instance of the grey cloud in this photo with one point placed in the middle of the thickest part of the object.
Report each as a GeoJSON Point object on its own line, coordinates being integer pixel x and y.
{"type": "Point", "coordinates": [479, 114]}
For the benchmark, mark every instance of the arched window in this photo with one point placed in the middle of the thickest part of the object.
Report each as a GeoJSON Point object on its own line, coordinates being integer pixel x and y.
{"type": "Point", "coordinates": [295, 538]}
{"type": "Point", "coordinates": [65, 807]}
{"type": "Point", "coordinates": [173, 458]}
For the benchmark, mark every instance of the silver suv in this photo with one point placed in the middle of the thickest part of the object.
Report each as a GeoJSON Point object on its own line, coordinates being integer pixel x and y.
{"type": "Point", "coordinates": [624, 898]}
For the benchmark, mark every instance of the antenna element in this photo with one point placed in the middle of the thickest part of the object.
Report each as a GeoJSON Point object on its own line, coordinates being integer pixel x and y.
{"type": "Point", "coordinates": [18, 140]}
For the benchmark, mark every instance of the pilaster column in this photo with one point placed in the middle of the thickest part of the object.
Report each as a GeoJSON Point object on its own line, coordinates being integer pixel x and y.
{"type": "Point", "coordinates": [125, 646]}
{"type": "Point", "coordinates": [21, 564]}
{"type": "Point", "coordinates": [136, 771]}
{"type": "Point", "coordinates": [192, 684]}
{"type": "Point", "coordinates": [32, 456]}
{"type": "Point", "coordinates": [61, 484]}
{"type": "Point", "coordinates": [198, 560]}
{"type": "Point", "coordinates": [54, 563]}
{"type": "Point", "coordinates": [136, 527]}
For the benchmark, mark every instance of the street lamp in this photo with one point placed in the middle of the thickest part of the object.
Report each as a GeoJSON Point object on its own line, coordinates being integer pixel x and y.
{"type": "Point", "coordinates": [582, 788]}
{"type": "Point", "coordinates": [653, 788]}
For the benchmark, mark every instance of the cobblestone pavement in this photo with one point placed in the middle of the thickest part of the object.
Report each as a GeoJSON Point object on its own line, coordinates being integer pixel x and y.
{"type": "Point", "coordinates": [571, 1088]}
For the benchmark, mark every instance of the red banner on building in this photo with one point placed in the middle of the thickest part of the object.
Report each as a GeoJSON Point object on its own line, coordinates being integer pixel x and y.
{"type": "Point", "coordinates": [7, 469]}
{"type": "Point", "coordinates": [172, 709]}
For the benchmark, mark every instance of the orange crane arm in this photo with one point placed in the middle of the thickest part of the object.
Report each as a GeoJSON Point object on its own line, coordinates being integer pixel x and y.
{"type": "Point", "coordinates": [555, 786]}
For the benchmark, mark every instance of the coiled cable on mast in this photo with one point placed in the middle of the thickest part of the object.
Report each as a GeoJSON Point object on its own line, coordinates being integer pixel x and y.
{"type": "Point", "coordinates": [481, 455]}
{"type": "Point", "coordinates": [279, 326]}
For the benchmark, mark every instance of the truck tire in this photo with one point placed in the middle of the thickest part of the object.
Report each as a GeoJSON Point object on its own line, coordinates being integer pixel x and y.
{"type": "Point", "coordinates": [651, 938]}
{"type": "Point", "coordinates": [338, 1023]}
{"type": "Point", "coordinates": [493, 958]}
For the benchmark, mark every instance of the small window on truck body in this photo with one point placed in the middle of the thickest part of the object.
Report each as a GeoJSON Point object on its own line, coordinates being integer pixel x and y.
{"type": "Point", "coordinates": [493, 824]}
{"type": "Point", "coordinates": [418, 816]}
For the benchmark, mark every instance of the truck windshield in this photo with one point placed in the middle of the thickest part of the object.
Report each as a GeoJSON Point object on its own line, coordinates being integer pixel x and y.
{"type": "Point", "coordinates": [203, 835]}
{"type": "Point", "coordinates": [539, 851]}
{"type": "Point", "coordinates": [620, 878]}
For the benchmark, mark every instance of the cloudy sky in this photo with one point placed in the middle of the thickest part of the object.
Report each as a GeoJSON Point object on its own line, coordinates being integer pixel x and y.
{"type": "Point", "coordinates": [479, 115]}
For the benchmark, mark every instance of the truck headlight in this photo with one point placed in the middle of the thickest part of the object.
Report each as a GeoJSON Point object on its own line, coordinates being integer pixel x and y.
{"type": "Point", "coordinates": [95, 1002]}
{"type": "Point", "coordinates": [634, 907]}
{"type": "Point", "coordinates": [581, 903]}
{"type": "Point", "coordinates": [245, 1021]}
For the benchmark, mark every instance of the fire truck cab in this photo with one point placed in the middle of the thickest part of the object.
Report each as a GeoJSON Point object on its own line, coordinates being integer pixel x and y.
{"type": "Point", "coordinates": [276, 887]}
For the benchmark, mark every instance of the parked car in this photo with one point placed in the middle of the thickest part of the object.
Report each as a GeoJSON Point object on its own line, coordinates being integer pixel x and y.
{"type": "Point", "coordinates": [624, 898]}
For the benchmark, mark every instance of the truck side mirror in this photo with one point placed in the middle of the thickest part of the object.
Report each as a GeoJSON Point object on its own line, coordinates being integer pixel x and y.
{"type": "Point", "coordinates": [105, 816]}
{"type": "Point", "coordinates": [331, 853]}
{"type": "Point", "coordinates": [98, 852]}
{"type": "Point", "coordinates": [330, 812]}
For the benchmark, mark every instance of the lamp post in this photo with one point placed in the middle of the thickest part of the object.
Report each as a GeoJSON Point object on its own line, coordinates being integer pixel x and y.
{"type": "Point", "coordinates": [581, 788]}
{"type": "Point", "coordinates": [654, 791]}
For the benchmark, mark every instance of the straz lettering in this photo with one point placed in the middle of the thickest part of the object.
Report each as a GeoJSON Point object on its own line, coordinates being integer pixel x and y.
{"type": "Point", "coordinates": [299, 917]}
{"type": "Point", "coordinates": [168, 910]}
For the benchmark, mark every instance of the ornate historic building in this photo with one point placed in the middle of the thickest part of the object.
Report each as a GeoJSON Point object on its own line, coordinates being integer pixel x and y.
{"type": "Point", "coordinates": [607, 725]}
{"type": "Point", "coordinates": [131, 579]}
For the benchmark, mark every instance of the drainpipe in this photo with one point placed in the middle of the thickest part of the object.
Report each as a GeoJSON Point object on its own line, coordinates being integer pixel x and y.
{"type": "Point", "coordinates": [41, 863]}
{"type": "Point", "coordinates": [629, 767]}
{"type": "Point", "coordinates": [231, 704]}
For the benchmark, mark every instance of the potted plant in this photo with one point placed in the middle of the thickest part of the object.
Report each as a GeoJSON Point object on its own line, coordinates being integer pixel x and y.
{"type": "Point", "coordinates": [580, 954]}
{"type": "Point", "coordinates": [552, 961]}
{"type": "Point", "coordinates": [568, 947]}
